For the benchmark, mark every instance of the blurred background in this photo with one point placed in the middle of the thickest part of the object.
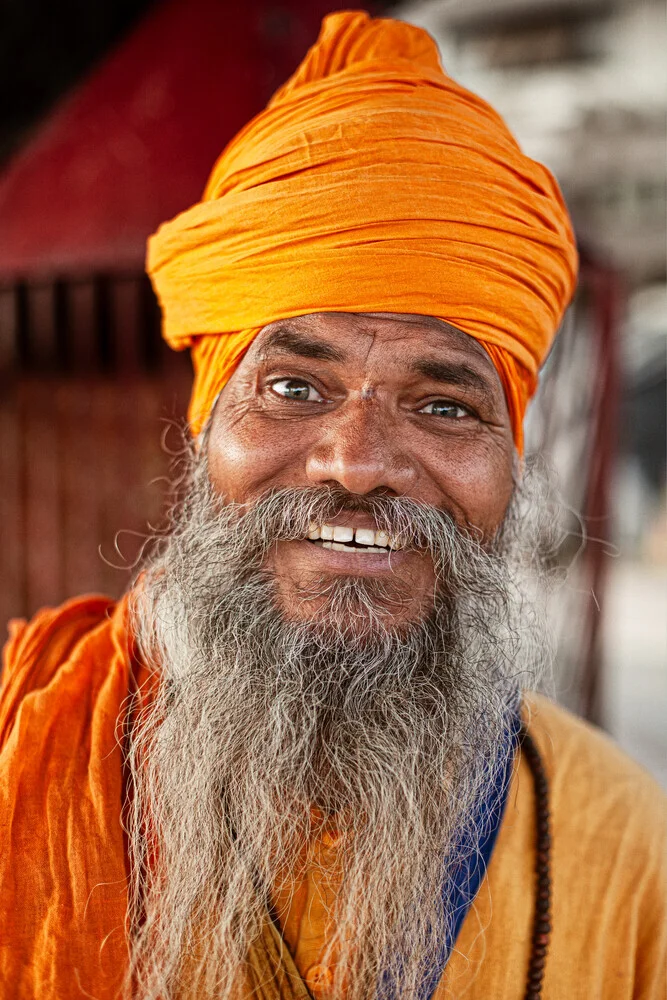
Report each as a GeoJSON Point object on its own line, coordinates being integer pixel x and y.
{"type": "Point", "coordinates": [116, 111]}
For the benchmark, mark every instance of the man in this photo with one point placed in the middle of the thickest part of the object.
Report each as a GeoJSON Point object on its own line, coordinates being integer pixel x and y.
{"type": "Point", "coordinates": [283, 763]}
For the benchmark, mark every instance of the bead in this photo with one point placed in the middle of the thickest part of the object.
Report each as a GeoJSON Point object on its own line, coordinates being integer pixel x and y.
{"type": "Point", "coordinates": [319, 977]}
{"type": "Point", "coordinates": [542, 917]}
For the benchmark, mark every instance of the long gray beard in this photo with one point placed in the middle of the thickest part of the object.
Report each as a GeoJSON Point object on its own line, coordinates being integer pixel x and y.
{"type": "Point", "coordinates": [393, 732]}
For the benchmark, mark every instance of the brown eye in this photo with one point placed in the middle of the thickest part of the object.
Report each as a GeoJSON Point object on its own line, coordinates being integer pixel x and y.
{"type": "Point", "coordinates": [445, 408]}
{"type": "Point", "coordinates": [297, 389]}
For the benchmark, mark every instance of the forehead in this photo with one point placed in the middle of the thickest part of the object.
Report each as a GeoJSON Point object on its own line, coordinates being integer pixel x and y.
{"type": "Point", "coordinates": [407, 331]}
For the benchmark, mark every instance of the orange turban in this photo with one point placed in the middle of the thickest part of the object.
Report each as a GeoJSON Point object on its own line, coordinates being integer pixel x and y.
{"type": "Point", "coordinates": [372, 182]}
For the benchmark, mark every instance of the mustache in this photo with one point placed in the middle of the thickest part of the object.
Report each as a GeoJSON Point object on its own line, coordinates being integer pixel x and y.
{"type": "Point", "coordinates": [288, 514]}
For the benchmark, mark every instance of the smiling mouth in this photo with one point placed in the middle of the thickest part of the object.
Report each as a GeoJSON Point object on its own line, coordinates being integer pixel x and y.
{"type": "Point", "coordinates": [346, 538]}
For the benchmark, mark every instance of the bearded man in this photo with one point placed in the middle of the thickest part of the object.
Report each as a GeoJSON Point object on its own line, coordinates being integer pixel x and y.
{"type": "Point", "coordinates": [297, 759]}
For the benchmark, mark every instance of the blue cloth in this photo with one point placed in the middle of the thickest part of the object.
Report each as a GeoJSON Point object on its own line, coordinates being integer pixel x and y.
{"type": "Point", "coordinates": [476, 847]}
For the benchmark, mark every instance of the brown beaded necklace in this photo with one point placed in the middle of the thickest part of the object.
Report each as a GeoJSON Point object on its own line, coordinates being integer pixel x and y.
{"type": "Point", "coordinates": [542, 918]}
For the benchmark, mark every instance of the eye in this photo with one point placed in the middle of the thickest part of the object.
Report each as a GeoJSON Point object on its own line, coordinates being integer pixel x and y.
{"type": "Point", "coordinates": [296, 388]}
{"type": "Point", "coordinates": [445, 408]}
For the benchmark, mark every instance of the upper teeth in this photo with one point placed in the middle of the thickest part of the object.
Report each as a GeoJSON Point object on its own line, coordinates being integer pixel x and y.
{"type": "Point", "coordinates": [344, 533]}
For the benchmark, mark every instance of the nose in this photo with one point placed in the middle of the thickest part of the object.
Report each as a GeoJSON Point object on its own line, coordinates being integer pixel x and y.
{"type": "Point", "coordinates": [359, 449]}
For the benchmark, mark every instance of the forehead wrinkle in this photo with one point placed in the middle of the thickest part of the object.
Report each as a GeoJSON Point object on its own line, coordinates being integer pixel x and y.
{"type": "Point", "coordinates": [437, 325]}
{"type": "Point", "coordinates": [463, 347]}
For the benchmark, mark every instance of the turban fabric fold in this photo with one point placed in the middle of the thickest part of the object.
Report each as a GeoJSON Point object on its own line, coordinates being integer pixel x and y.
{"type": "Point", "coordinates": [372, 182]}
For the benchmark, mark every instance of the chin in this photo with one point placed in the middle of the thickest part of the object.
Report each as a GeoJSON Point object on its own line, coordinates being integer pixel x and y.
{"type": "Point", "coordinates": [353, 606]}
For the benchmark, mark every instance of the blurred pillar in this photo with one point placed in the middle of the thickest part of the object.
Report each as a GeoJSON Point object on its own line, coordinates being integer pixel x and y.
{"type": "Point", "coordinates": [607, 299]}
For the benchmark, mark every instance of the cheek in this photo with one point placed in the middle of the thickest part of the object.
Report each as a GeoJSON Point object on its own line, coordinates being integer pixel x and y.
{"type": "Point", "coordinates": [248, 455]}
{"type": "Point", "coordinates": [478, 482]}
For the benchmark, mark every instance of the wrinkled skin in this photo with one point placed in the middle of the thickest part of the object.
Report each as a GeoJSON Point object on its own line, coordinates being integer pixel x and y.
{"type": "Point", "coordinates": [374, 403]}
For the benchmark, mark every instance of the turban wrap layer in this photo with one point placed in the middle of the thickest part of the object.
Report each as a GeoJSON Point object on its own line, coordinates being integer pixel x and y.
{"type": "Point", "coordinates": [372, 182]}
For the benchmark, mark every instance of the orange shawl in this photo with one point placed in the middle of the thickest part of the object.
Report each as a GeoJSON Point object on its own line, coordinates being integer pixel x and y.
{"type": "Point", "coordinates": [62, 856]}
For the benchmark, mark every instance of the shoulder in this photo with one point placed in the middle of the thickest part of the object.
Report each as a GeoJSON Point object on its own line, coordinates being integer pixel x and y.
{"type": "Point", "coordinates": [609, 816]}
{"type": "Point", "coordinates": [587, 767]}
{"type": "Point", "coordinates": [37, 650]}
{"type": "Point", "coordinates": [52, 630]}
{"type": "Point", "coordinates": [609, 859]}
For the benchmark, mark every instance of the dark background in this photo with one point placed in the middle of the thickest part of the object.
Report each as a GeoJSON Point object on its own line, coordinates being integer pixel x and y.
{"type": "Point", "coordinates": [45, 48]}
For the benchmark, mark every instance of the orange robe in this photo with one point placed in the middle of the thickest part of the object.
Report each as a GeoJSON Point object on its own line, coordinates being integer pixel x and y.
{"type": "Point", "coordinates": [63, 866]}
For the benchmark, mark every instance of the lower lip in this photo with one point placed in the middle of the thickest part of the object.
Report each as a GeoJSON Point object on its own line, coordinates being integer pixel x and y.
{"type": "Point", "coordinates": [354, 561]}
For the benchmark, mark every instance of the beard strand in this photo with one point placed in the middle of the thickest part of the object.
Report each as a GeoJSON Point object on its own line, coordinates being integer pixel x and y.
{"type": "Point", "coordinates": [264, 728]}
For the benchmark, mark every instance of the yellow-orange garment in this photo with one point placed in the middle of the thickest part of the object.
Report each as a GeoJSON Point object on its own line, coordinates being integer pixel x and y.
{"type": "Point", "coordinates": [372, 182]}
{"type": "Point", "coordinates": [609, 881]}
{"type": "Point", "coordinates": [62, 861]}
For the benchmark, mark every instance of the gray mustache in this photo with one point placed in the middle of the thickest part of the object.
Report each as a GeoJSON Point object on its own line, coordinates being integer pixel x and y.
{"type": "Point", "coordinates": [288, 513]}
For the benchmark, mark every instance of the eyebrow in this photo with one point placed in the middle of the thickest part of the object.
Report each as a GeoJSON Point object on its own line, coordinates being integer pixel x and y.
{"type": "Point", "coordinates": [290, 342]}
{"type": "Point", "coordinates": [299, 345]}
{"type": "Point", "coordinates": [451, 374]}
